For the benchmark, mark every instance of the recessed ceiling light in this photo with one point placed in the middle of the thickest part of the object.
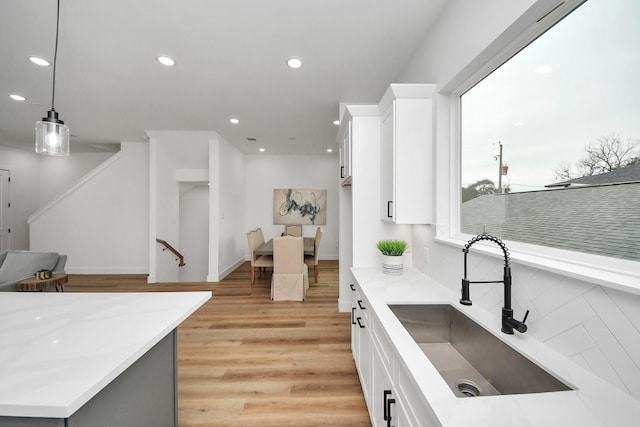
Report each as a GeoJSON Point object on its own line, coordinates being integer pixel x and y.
{"type": "Point", "coordinates": [336, 122]}
{"type": "Point", "coordinates": [261, 150]}
{"type": "Point", "coordinates": [518, 124]}
{"type": "Point", "coordinates": [329, 150]}
{"type": "Point", "coordinates": [17, 97]}
{"type": "Point", "coordinates": [165, 60]}
{"type": "Point", "coordinates": [294, 63]}
{"type": "Point", "coordinates": [39, 61]}
{"type": "Point", "coordinates": [234, 121]}
{"type": "Point", "coordinates": [543, 69]}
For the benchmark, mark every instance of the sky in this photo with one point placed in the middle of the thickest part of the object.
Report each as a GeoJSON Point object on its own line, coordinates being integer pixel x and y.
{"type": "Point", "coordinates": [591, 88]}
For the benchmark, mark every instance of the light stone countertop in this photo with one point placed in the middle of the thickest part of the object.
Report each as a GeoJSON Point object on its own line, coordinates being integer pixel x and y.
{"type": "Point", "coordinates": [58, 350]}
{"type": "Point", "coordinates": [593, 402]}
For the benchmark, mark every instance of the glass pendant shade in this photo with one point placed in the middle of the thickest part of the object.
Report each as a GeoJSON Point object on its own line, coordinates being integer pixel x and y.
{"type": "Point", "coordinates": [52, 136]}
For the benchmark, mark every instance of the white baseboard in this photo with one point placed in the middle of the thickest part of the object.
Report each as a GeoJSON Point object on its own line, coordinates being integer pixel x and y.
{"type": "Point", "coordinates": [109, 270]}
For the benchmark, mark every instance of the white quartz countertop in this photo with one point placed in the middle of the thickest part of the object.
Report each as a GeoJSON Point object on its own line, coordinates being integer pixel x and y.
{"type": "Point", "coordinates": [58, 350]}
{"type": "Point", "coordinates": [593, 402]}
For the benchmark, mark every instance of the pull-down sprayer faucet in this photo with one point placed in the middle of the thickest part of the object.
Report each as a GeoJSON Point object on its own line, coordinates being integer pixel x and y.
{"type": "Point", "coordinates": [508, 322]}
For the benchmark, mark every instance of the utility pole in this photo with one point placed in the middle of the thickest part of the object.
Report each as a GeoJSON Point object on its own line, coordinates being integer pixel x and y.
{"type": "Point", "coordinates": [500, 169]}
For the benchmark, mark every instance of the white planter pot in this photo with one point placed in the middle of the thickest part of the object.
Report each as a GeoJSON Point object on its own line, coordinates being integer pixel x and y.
{"type": "Point", "coordinates": [392, 265]}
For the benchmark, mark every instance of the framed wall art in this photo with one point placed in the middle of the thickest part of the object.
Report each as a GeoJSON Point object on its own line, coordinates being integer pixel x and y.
{"type": "Point", "coordinates": [299, 206]}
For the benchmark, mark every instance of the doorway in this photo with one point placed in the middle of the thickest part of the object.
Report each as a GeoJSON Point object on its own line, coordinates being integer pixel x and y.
{"type": "Point", "coordinates": [194, 231]}
{"type": "Point", "coordinates": [5, 204]}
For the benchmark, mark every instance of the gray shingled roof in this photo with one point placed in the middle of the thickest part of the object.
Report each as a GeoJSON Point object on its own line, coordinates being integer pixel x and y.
{"type": "Point", "coordinates": [596, 219]}
{"type": "Point", "coordinates": [629, 173]}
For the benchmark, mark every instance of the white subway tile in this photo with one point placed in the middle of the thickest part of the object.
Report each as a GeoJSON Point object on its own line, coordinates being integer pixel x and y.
{"type": "Point", "coordinates": [628, 303]}
{"type": "Point", "coordinates": [574, 341]}
{"type": "Point", "coordinates": [615, 354]}
{"type": "Point", "coordinates": [559, 295]}
{"type": "Point", "coordinates": [616, 322]}
{"type": "Point", "coordinates": [600, 366]}
{"type": "Point", "coordinates": [569, 316]}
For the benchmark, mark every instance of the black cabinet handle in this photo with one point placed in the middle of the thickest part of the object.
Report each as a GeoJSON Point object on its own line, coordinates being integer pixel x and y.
{"type": "Point", "coordinates": [353, 288]}
{"type": "Point", "coordinates": [341, 171]}
{"type": "Point", "coordinates": [389, 403]}
{"type": "Point", "coordinates": [353, 315]}
{"type": "Point", "coordinates": [385, 407]}
{"type": "Point", "coordinates": [360, 305]}
{"type": "Point", "coordinates": [389, 209]}
{"type": "Point", "coordinates": [359, 323]}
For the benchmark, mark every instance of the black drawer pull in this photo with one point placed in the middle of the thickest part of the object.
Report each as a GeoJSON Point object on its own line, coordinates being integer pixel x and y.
{"type": "Point", "coordinates": [353, 288]}
{"type": "Point", "coordinates": [360, 305]}
{"type": "Point", "coordinates": [353, 315]}
{"type": "Point", "coordinates": [359, 323]}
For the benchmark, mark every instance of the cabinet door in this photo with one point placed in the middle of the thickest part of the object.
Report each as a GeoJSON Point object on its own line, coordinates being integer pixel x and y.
{"type": "Point", "coordinates": [345, 155]}
{"type": "Point", "coordinates": [361, 342]}
{"type": "Point", "coordinates": [387, 178]}
{"type": "Point", "coordinates": [383, 396]}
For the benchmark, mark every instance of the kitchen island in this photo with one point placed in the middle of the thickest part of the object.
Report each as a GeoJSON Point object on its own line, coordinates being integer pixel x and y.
{"type": "Point", "coordinates": [98, 359]}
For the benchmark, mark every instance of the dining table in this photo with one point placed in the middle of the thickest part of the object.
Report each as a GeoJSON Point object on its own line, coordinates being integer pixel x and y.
{"type": "Point", "coordinates": [267, 247]}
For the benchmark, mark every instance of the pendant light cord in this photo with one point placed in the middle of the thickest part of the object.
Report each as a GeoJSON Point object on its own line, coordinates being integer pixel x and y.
{"type": "Point", "coordinates": [55, 58]}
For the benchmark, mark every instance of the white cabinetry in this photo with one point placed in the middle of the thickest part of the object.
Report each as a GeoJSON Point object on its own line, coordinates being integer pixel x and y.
{"type": "Point", "coordinates": [392, 397]}
{"type": "Point", "coordinates": [407, 154]}
{"type": "Point", "coordinates": [344, 146]}
{"type": "Point", "coordinates": [354, 130]}
{"type": "Point", "coordinates": [361, 339]}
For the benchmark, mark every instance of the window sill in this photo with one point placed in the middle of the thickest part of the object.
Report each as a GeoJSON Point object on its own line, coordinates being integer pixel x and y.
{"type": "Point", "coordinates": [625, 277]}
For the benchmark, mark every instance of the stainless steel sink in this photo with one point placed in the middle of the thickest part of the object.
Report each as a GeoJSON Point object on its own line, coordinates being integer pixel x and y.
{"type": "Point", "coordinates": [472, 361]}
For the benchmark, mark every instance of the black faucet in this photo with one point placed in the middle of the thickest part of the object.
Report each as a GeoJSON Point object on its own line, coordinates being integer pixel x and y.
{"type": "Point", "coordinates": [508, 322]}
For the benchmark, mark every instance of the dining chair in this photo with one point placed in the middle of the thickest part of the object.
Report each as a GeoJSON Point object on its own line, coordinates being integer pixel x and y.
{"type": "Point", "coordinates": [312, 260]}
{"type": "Point", "coordinates": [260, 236]}
{"type": "Point", "coordinates": [293, 230]}
{"type": "Point", "coordinates": [290, 279]}
{"type": "Point", "coordinates": [259, 262]}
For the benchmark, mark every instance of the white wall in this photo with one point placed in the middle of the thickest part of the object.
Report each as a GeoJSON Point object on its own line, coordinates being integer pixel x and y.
{"type": "Point", "coordinates": [37, 180]}
{"type": "Point", "coordinates": [229, 172]}
{"type": "Point", "coordinates": [168, 152]}
{"type": "Point", "coordinates": [597, 327]}
{"type": "Point", "coordinates": [101, 224]}
{"type": "Point", "coordinates": [264, 173]}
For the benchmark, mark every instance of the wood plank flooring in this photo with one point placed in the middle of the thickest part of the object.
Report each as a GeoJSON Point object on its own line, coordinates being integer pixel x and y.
{"type": "Point", "coordinates": [244, 360]}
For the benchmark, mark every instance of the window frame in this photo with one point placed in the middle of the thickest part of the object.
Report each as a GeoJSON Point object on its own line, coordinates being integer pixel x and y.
{"type": "Point", "coordinates": [605, 271]}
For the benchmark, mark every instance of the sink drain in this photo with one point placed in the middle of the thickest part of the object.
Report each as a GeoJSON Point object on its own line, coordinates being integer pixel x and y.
{"type": "Point", "coordinates": [468, 388]}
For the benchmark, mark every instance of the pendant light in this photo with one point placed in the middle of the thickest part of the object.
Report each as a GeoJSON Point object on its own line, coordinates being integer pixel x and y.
{"type": "Point", "coordinates": [52, 135]}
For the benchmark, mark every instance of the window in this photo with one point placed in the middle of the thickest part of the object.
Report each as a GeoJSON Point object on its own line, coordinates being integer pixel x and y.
{"type": "Point", "coordinates": [550, 140]}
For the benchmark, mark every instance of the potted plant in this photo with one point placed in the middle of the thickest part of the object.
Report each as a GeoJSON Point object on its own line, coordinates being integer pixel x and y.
{"type": "Point", "coordinates": [392, 251]}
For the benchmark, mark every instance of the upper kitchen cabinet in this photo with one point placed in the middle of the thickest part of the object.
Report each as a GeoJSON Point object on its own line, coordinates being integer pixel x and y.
{"type": "Point", "coordinates": [344, 147]}
{"type": "Point", "coordinates": [407, 154]}
{"type": "Point", "coordinates": [355, 128]}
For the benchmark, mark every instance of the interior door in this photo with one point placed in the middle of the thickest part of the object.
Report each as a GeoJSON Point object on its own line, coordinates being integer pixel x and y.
{"type": "Point", "coordinates": [5, 226]}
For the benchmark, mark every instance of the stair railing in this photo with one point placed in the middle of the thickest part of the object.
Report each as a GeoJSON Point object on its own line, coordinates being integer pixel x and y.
{"type": "Point", "coordinates": [173, 250]}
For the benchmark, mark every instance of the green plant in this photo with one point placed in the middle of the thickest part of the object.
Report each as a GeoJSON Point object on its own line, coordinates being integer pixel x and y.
{"type": "Point", "coordinates": [392, 247]}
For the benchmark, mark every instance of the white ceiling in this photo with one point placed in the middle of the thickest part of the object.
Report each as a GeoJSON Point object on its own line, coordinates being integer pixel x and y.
{"type": "Point", "coordinates": [230, 63]}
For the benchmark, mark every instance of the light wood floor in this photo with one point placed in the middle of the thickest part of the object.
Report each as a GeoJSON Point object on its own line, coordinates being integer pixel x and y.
{"type": "Point", "coordinates": [244, 360]}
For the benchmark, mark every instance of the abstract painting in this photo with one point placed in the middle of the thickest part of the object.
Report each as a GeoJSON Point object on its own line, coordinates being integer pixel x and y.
{"type": "Point", "coordinates": [299, 206]}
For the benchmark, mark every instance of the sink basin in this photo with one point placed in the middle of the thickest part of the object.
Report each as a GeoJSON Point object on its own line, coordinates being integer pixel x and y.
{"type": "Point", "coordinates": [472, 361]}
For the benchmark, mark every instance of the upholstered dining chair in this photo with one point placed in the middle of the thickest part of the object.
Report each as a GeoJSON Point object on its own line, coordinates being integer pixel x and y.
{"type": "Point", "coordinates": [260, 236]}
{"type": "Point", "coordinates": [312, 260]}
{"type": "Point", "coordinates": [290, 279]}
{"type": "Point", "coordinates": [259, 262]}
{"type": "Point", "coordinates": [293, 230]}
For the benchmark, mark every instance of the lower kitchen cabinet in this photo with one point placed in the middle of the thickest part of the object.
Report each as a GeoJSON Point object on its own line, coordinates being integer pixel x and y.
{"type": "Point", "coordinates": [392, 397]}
